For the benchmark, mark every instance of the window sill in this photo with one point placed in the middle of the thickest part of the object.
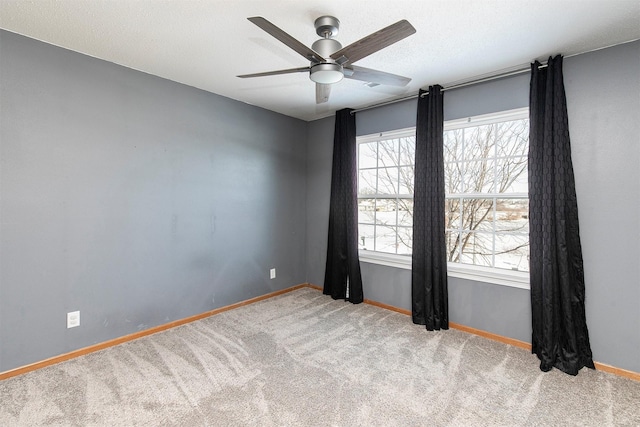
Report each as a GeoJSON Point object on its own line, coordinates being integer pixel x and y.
{"type": "Point", "coordinates": [496, 276]}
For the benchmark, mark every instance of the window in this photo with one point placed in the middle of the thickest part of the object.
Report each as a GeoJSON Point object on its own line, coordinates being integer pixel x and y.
{"type": "Point", "coordinates": [486, 207]}
{"type": "Point", "coordinates": [385, 192]}
{"type": "Point", "coordinates": [486, 186]}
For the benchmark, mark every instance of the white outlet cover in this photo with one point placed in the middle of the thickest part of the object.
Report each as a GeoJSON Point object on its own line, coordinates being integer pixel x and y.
{"type": "Point", "coordinates": [73, 319]}
{"type": "Point", "coordinates": [272, 273]}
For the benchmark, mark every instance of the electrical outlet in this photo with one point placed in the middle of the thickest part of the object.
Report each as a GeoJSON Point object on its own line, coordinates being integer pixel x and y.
{"type": "Point", "coordinates": [73, 319]}
{"type": "Point", "coordinates": [272, 273]}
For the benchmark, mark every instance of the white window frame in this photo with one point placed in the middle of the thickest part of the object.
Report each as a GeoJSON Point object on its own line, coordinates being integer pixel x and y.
{"type": "Point", "coordinates": [498, 276]}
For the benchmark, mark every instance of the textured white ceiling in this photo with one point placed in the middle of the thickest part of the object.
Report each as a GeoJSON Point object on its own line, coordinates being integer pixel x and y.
{"type": "Point", "coordinates": [205, 44]}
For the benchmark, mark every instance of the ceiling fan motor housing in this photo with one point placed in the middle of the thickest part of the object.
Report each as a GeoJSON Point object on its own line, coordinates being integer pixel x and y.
{"type": "Point", "coordinates": [328, 71]}
{"type": "Point", "coordinates": [326, 47]}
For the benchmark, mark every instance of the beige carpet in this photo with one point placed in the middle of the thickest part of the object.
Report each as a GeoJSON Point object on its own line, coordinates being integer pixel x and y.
{"type": "Point", "coordinates": [302, 359]}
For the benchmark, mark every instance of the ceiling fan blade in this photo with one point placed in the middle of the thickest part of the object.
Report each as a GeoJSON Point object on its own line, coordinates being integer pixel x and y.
{"type": "Point", "coordinates": [374, 76]}
{"type": "Point", "coordinates": [275, 73]}
{"type": "Point", "coordinates": [374, 42]}
{"type": "Point", "coordinates": [285, 38]}
{"type": "Point", "coordinates": [322, 93]}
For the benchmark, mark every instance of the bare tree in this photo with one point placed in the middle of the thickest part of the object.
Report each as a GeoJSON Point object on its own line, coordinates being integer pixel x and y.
{"type": "Point", "coordinates": [484, 167]}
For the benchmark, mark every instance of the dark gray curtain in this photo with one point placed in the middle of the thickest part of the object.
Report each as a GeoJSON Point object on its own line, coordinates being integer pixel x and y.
{"type": "Point", "coordinates": [429, 259]}
{"type": "Point", "coordinates": [343, 265]}
{"type": "Point", "coordinates": [560, 338]}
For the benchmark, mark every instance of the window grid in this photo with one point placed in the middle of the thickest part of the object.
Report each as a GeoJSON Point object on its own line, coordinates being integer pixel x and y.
{"type": "Point", "coordinates": [494, 195]}
{"type": "Point", "coordinates": [466, 194]}
{"type": "Point", "coordinates": [388, 168]}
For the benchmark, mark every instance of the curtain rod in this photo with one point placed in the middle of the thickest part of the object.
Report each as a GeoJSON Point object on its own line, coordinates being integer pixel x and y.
{"type": "Point", "coordinates": [490, 77]}
{"type": "Point", "coordinates": [474, 80]}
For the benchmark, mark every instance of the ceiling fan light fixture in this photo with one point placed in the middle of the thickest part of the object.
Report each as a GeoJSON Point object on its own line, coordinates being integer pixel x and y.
{"type": "Point", "coordinates": [326, 73]}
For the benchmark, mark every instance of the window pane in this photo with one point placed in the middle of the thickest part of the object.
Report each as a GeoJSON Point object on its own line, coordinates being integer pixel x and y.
{"type": "Point", "coordinates": [513, 138]}
{"type": "Point", "coordinates": [452, 239]}
{"type": "Point", "coordinates": [388, 180]}
{"type": "Point", "coordinates": [367, 182]}
{"type": "Point", "coordinates": [366, 235]}
{"type": "Point", "coordinates": [512, 251]}
{"type": "Point", "coordinates": [453, 178]}
{"type": "Point", "coordinates": [386, 212]}
{"type": "Point", "coordinates": [406, 181]}
{"type": "Point", "coordinates": [486, 223]}
{"type": "Point", "coordinates": [512, 215]}
{"type": "Point", "coordinates": [479, 142]}
{"type": "Point", "coordinates": [476, 212]}
{"type": "Point", "coordinates": [388, 152]}
{"type": "Point", "coordinates": [512, 175]}
{"type": "Point", "coordinates": [386, 239]}
{"type": "Point", "coordinates": [453, 145]}
{"type": "Point", "coordinates": [407, 151]}
{"type": "Point", "coordinates": [452, 213]}
{"type": "Point", "coordinates": [405, 240]}
{"type": "Point", "coordinates": [479, 176]}
{"type": "Point", "coordinates": [366, 210]}
{"type": "Point", "coordinates": [405, 212]}
{"type": "Point", "coordinates": [477, 249]}
{"type": "Point", "coordinates": [367, 155]}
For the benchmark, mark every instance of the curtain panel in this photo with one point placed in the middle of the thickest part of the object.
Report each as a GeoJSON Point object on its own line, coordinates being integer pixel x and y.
{"type": "Point", "coordinates": [429, 260]}
{"type": "Point", "coordinates": [559, 331]}
{"type": "Point", "coordinates": [342, 279]}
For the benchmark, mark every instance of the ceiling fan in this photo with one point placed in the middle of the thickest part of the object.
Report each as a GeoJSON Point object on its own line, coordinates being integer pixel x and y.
{"type": "Point", "coordinates": [330, 62]}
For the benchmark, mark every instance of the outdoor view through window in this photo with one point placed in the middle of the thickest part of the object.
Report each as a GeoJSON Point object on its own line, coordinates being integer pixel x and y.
{"type": "Point", "coordinates": [486, 207]}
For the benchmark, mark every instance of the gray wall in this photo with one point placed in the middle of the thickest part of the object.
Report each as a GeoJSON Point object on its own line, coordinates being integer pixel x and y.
{"type": "Point", "coordinates": [319, 159]}
{"type": "Point", "coordinates": [603, 101]}
{"type": "Point", "coordinates": [603, 93]}
{"type": "Point", "coordinates": [135, 200]}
